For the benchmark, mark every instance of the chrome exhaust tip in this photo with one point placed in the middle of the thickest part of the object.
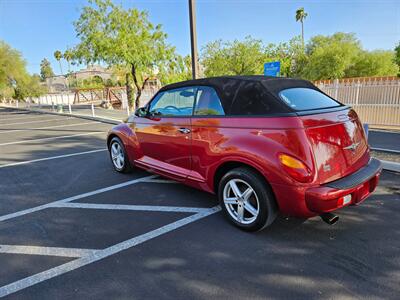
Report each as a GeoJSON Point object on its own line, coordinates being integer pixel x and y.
{"type": "Point", "coordinates": [329, 218]}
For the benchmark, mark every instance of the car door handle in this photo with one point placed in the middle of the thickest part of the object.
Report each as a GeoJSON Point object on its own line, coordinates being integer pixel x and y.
{"type": "Point", "coordinates": [184, 130]}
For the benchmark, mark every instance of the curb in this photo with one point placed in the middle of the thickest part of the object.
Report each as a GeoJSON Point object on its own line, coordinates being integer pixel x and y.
{"type": "Point", "coordinates": [385, 150]}
{"type": "Point", "coordinates": [87, 117]}
{"type": "Point", "coordinates": [391, 166]}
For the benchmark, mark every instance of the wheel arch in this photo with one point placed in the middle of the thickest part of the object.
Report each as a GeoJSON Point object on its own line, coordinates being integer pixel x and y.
{"type": "Point", "coordinates": [229, 165]}
{"type": "Point", "coordinates": [110, 137]}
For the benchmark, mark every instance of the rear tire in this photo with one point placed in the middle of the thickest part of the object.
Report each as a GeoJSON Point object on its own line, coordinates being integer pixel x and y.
{"type": "Point", "coordinates": [247, 200]}
{"type": "Point", "coordinates": [119, 158]}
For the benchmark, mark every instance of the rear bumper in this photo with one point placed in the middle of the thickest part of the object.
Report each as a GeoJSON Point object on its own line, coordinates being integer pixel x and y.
{"type": "Point", "coordinates": [349, 190]}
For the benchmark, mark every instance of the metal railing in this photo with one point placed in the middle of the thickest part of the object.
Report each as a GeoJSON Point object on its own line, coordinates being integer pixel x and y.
{"type": "Point", "coordinates": [376, 100]}
{"type": "Point", "coordinates": [89, 110]}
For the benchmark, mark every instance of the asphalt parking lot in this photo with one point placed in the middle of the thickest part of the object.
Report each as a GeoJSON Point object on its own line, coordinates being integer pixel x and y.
{"type": "Point", "coordinates": [72, 228]}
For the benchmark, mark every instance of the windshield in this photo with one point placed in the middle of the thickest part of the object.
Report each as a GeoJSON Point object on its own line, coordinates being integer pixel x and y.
{"type": "Point", "coordinates": [306, 99]}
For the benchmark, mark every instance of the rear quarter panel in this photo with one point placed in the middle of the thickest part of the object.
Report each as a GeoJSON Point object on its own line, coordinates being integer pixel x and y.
{"type": "Point", "coordinates": [253, 141]}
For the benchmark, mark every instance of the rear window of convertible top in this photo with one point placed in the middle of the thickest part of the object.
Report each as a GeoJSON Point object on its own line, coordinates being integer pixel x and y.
{"type": "Point", "coordinates": [306, 99]}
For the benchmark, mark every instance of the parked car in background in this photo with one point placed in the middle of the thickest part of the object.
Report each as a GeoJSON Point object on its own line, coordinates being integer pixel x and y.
{"type": "Point", "coordinates": [262, 144]}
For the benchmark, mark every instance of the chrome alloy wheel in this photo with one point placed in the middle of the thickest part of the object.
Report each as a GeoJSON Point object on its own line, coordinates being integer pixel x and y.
{"type": "Point", "coordinates": [117, 156]}
{"type": "Point", "coordinates": [241, 201]}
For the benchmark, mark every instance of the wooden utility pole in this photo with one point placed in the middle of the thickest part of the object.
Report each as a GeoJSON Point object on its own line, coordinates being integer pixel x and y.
{"type": "Point", "coordinates": [193, 38]}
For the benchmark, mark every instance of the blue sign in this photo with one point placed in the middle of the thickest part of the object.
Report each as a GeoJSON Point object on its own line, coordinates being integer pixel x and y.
{"type": "Point", "coordinates": [272, 68]}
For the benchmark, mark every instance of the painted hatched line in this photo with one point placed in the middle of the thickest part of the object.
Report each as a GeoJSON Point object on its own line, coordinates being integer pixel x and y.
{"type": "Point", "coordinates": [48, 127]}
{"type": "Point", "coordinates": [51, 158]}
{"type": "Point", "coordinates": [47, 251]}
{"type": "Point", "coordinates": [101, 254]}
{"type": "Point", "coordinates": [131, 207]}
{"type": "Point", "coordinates": [77, 197]}
{"type": "Point", "coordinates": [41, 121]}
{"type": "Point", "coordinates": [53, 138]}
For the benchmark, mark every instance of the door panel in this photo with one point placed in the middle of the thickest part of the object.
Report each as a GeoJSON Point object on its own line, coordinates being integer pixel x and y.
{"type": "Point", "coordinates": [163, 145]}
{"type": "Point", "coordinates": [164, 136]}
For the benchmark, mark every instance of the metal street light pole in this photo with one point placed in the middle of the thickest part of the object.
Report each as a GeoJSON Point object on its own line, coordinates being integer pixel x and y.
{"type": "Point", "coordinates": [193, 38]}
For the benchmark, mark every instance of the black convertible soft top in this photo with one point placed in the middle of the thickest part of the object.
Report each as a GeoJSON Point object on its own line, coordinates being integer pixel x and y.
{"type": "Point", "coordinates": [249, 95]}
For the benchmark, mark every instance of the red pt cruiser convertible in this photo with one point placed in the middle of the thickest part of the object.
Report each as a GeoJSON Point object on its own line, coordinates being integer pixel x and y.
{"type": "Point", "coordinates": [263, 144]}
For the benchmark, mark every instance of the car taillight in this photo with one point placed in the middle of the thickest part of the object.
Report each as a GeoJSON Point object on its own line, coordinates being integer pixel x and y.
{"type": "Point", "coordinates": [296, 168]}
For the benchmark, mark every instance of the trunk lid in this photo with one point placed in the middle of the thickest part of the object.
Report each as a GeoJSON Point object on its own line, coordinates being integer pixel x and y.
{"type": "Point", "coordinates": [338, 143]}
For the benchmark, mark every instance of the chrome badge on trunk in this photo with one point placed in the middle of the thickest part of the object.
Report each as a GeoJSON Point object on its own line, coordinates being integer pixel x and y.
{"type": "Point", "coordinates": [352, 147]}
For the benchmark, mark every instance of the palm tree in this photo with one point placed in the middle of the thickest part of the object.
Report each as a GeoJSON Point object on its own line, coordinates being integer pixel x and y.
{"type": "Point", "coordinates": [300, 16]}
{"type": "Point", "coordinates": [68, 56]}
{"type": "Point", "coordinates": [58, 55]}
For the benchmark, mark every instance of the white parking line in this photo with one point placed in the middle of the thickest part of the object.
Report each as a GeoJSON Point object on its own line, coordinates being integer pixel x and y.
{"type": "Point", "coordinates": [48, 251]}
{"type": "Point", "coordinates": [15, 112]}
{"type": "Point", "coordinates": [27, 116]}
{"type": "Point", "coordinates": [52, 138]}
{"type": "Point", "coordinates": [48, 127]}
{"type": "Point", "coordinates": [162, 181]}
{"type": "Point", "coordinates": [50, 158]}
{"type": "Point", "coordinates": [101, 254]}
{"type": "Point", "coordinates": [77, 197]}
{"type": "Point", "coordinates": [41, 121]}
{"type": "Point", "coordinates": [131, 207]}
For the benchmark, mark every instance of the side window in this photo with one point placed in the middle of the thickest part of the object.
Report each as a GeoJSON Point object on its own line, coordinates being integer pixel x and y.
{"type": "Point", "coordinates": [178, 102]}
{"type": "Point", "coordinates": [208, 102]}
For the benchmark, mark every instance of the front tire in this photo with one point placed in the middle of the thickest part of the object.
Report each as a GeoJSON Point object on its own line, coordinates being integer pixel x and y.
{"type": "Point", "coordinates": [118, 156]}
{"type": "Point", "coordinates": [247, 200]}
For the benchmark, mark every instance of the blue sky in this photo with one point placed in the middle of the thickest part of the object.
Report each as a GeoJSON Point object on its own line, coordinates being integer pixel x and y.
{"type": "Point", "coordinates": [39, 27]}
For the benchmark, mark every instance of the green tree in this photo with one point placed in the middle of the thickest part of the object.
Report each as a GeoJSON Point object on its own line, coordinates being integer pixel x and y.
{"type": "Point", "coordinates": [324, 57]}
{"type": "Point", "coordinates": [397, 57]}
{"type": "Point", "coordinates": [30, 86]}
{"type": "Point", "coordinates": [329, 57]}
{"type": "Point", "coordinates": [68, 55]}
{"type": "Point", "coordinates": [14, 79]}
{"type": "Point", "coordinates": [178, 69]}
{"type": "Point", "coordinates": [341, 55]}
{"type": "Point", "coordinates": [301, 15]}
{"type": "Point", "coordinates": [45, 69]}
{"type": "Point", "coordinates": [288, 53]}
{"type": "Point", "coordinates": [58, 55]}
{"type": "Point", "coordinates": [116, 36]}
{"type": "Point", "coordinates": [12, 69]}
{"type": "Point", "coordinates": [373, 63]}
{"type": "Point", "coordinates": [247, 57]}
{"type": "Point", "coordinates": [234, 58]}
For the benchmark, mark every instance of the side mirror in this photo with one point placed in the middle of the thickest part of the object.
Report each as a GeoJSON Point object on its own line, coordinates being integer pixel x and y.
{"type": "Point", "coordinates": [141, 112]}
